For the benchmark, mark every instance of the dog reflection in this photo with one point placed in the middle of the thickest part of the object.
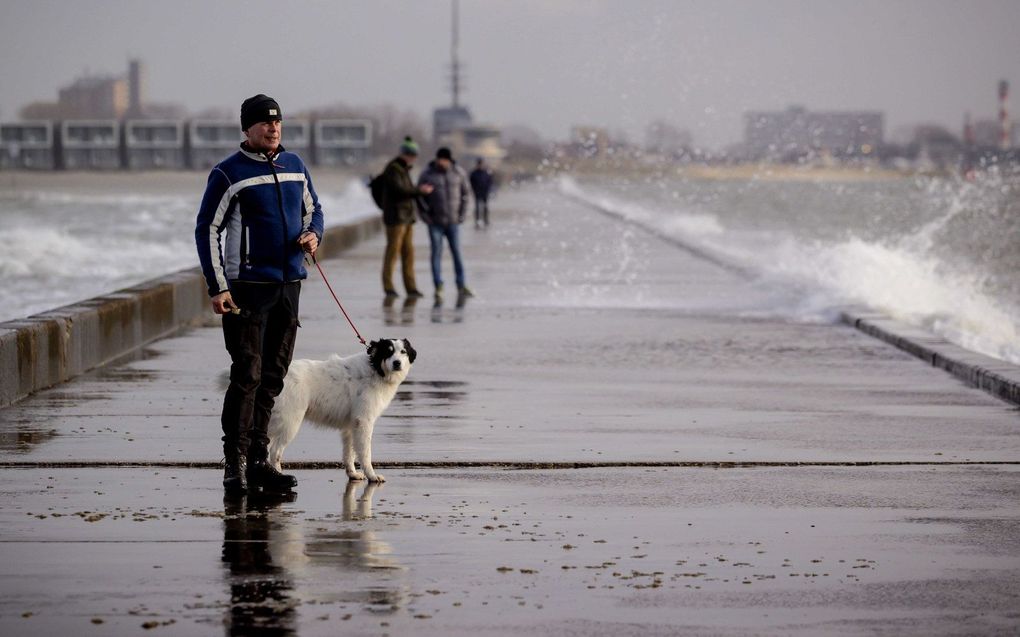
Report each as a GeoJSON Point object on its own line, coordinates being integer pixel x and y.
{"type": "Point", "coordinates": [356, 550]}
{"type": "Point", "coordinates": [352, 548]}
{"type": "Point", "coordinates": [260, 589]}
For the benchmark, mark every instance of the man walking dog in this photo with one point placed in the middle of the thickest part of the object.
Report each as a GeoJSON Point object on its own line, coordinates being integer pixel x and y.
{"type": "Point", "coordinates": [262, 196]}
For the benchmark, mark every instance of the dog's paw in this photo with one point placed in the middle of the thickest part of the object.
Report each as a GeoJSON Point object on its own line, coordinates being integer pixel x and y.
{"type": "Point", "coordinates": [355, 475]}
{"type": "Point", "coordinates": [376, 477]}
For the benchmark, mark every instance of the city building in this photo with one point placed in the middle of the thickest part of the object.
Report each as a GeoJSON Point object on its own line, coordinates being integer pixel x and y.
{"type": "Point", "coordinates": [475, 141]}
{"type": "Point", "coordinates": [988, 132]}
{"type": "Point", "coordinates": [297, 137]}
{"type": "Point", "coordinates": [151, 144]}
{"type": "Point", "coordinates": [212, 140]}
{"type": "Point", "coordinates": [445, 120]}
{"type": "Point", "coordinates": [27, 145]}
{"type": "Point", "coordinates": [341, 141]}
{"type": "Point", "coordinates": [94, 98]}
{"type": "Point", "coordinates": [797, 133]}
{"type": "Point", "coordinates": [90, 144]}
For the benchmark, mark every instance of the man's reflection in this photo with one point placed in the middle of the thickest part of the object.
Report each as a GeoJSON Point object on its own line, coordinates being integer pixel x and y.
{"type": "Point", "coordinates": [457, 316]}
{"type": "Point", "coordinates": [406, 314]}
{"type": "Point", "coordinates": [260, 590]}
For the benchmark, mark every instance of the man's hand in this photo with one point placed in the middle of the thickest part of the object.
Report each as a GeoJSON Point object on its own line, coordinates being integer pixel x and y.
{"type": "Point", "coordinates": [223, 303]}
{"type": "Point", "coordinates": [426, 189]}
{"type": "Point", "coordinates": [309, 243]}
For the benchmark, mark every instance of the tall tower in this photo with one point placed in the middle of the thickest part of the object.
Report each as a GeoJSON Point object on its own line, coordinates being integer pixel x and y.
{"type": "Point", "coordinates": [1003, 115]}
{"type": "Point", "coordinates": [446, 120]}
{"type": "Point", "coordinates": [456, 81]}
{"type": "Point", "coordinates": [136, 88]}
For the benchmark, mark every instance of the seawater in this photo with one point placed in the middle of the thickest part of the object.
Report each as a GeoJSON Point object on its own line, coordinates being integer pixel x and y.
{"type": "Point", "coordinates": [58, 248]}
{"type": "Point", "coordinates": [935, 252]}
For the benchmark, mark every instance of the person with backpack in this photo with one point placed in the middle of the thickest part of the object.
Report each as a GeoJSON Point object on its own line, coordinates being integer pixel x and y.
{"type": "Point", "coordinates": [395, 193]}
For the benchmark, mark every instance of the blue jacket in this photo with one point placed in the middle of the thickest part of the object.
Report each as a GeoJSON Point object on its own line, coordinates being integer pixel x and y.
{"type": "Point", "coordinates": [481, 183]}
{"type": "Point", "coordinates": [264, 206]}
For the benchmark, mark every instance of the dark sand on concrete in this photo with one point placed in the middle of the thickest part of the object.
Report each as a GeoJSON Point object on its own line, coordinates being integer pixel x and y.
{"type": "Point", "coordinates": [590, 342]}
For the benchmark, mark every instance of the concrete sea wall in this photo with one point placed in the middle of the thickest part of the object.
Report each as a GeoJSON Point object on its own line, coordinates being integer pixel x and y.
{"type": "Point", "coordinates": [49, 348]}
{"type": "Point", "coordinates": [999, 378]}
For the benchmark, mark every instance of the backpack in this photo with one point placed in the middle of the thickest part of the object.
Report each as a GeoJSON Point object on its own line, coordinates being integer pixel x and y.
{"type": "Point", "coordinates": [378, 189]}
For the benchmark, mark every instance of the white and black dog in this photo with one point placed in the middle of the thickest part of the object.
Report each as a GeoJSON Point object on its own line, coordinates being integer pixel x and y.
{"type": "Point", "coordinates": [346, 393]}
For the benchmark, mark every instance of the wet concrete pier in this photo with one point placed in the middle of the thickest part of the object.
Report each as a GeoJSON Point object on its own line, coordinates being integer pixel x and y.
{"type": "Point", "coordinates": [612, 438]}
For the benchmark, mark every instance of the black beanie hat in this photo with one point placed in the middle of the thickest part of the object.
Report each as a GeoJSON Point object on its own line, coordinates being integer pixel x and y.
{"type": "Point", "coordinates": [444, 153]}
{"type": "Point", "coordinates": [260, 108]}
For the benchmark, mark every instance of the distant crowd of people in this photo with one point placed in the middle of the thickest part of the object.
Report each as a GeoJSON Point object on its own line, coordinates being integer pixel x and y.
{"type": "Point", "coordinates": [440, 200]}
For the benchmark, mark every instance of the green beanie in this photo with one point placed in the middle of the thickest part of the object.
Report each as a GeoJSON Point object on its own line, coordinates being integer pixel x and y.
{"type": "Point", "coordinates": [409, 147]}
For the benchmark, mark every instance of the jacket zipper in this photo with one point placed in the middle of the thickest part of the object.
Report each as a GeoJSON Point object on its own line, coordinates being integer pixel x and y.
{"type": "Point", "coordinates": [283, 215]}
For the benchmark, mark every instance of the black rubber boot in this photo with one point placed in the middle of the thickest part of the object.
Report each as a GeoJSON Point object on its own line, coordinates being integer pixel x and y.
{"type": "Point", "coordinates": [262, 475]}
{"type": "Point", "coordinates": [235, 474]}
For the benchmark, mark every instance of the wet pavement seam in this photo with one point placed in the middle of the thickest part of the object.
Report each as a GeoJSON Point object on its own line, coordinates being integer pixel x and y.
{"type": "Point", "coordinates": [509, 465]}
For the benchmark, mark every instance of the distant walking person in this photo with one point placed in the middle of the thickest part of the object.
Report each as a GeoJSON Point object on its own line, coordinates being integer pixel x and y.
{"type": "Point", "coordinates": [262, 196]}
{"type": "Point", "coordinates": [481, 187]}
{"type": "Point", "coordinates": [443, 210]}
{"type": "Point", "coordinates": [398, 204]}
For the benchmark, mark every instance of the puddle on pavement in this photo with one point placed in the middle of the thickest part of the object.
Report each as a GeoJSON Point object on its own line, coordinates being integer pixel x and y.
{"type": "Point", "coordinates": [22, 439]}
{"type": "Point", "coordinates": [445, 392]}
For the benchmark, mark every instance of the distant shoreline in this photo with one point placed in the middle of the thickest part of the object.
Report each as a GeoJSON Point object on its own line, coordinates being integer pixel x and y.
{"type": "Point", "coordinates": [723, 172]}
{"type": "Point", "coordinates": [174, 181]}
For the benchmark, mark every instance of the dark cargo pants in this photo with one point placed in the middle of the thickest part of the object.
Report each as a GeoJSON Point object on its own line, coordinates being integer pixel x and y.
{"type": "Point", "coordinates": [260, 341]}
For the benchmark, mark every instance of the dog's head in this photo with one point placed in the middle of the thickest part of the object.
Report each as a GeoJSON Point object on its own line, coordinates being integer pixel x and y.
{"type": "Point", "coordinates": [391, 358]}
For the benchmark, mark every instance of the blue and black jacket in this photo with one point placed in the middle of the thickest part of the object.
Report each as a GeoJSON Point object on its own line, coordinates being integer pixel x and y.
{"type": "Point", "coordinates": [265, 204]}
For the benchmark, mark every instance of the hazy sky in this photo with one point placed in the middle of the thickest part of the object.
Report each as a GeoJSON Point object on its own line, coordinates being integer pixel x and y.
{"type": "Point", "coordinates": [699, 64]}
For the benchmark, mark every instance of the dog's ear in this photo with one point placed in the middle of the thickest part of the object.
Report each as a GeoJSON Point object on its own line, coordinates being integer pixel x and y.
{"type": "Point", "coordinates": [411, 353]}
{"type": "Point", "coordinates": [373, 347]}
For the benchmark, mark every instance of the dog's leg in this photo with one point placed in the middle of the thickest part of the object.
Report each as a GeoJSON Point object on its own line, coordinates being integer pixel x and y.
{"type": "Point", "coordinates": [349, 457]}
{"type": "Point", "coordinates": [363, 447]}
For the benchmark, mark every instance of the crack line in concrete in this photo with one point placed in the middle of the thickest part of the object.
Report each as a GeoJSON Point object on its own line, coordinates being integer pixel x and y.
{"type": "Point", "coordinates": [507, 465]}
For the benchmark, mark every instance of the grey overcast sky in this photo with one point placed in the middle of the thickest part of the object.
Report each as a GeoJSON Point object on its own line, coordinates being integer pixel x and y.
{"type": "Point", "coordinates": [548, 64]}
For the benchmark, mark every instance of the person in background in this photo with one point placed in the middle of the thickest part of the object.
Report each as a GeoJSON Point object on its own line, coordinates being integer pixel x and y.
{"type": "Point", "coordinates": [443, 211]}
{"type": "Point", "coordinates": [481, 187]}
{"type": "Point", "coordinates": [398, 201]}
{"type": "Point", "coordinates": [263, 197]}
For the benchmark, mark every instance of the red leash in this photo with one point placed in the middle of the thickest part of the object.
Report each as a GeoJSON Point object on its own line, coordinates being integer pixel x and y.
{"type": "Point", "coordinates": [323, 274]}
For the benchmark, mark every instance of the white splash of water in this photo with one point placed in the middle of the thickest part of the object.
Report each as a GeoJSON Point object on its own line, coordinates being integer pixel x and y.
{"type": "Point", "coordinates": [903, 277]}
